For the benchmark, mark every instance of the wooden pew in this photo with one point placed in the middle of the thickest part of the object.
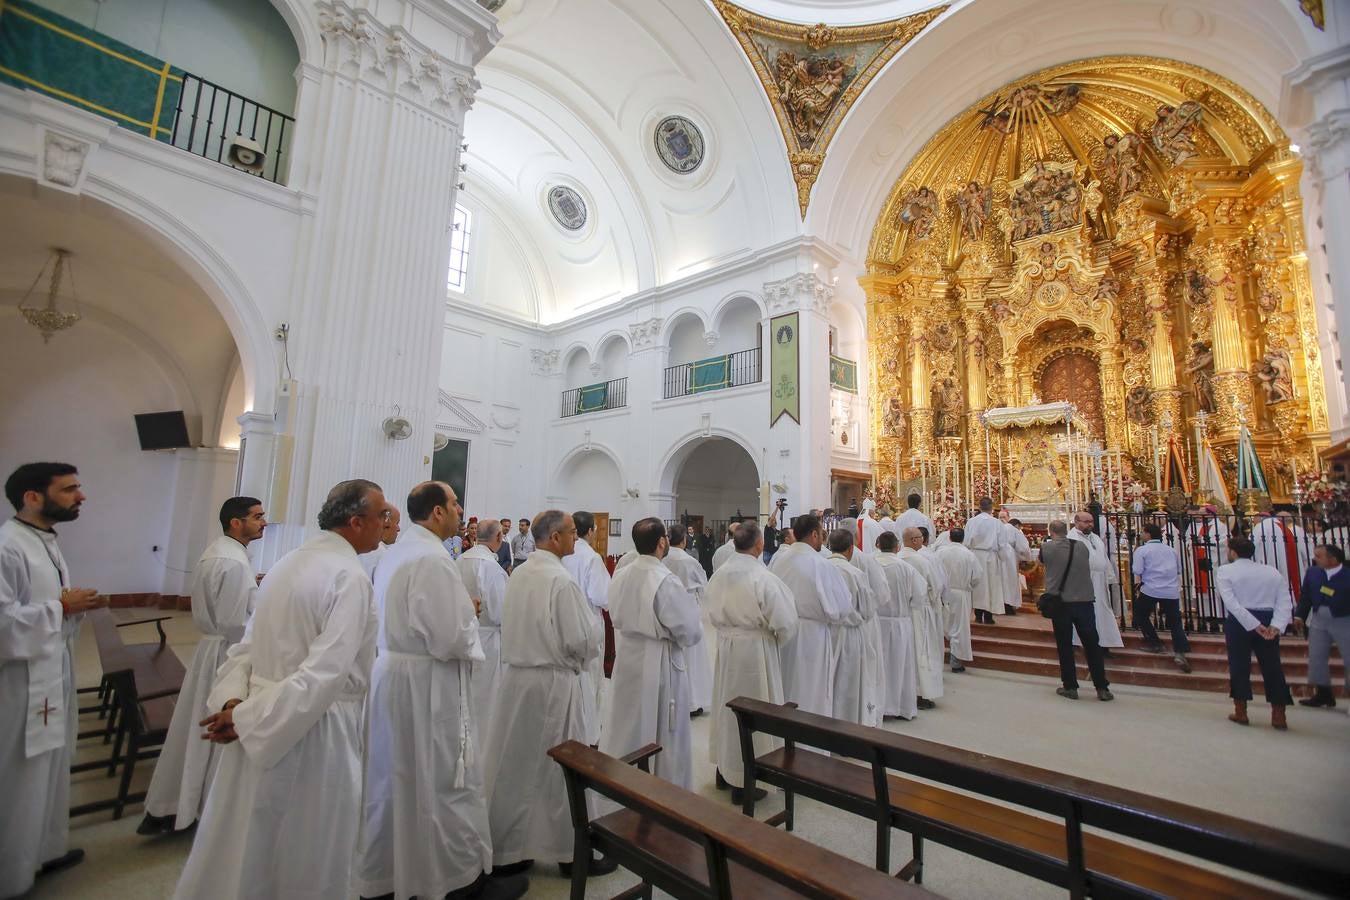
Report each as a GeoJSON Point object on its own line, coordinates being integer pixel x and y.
{"type": "Point", "coordinates": [693, 847]}
{"type": "Point", "coordinates": [138, 690]}
{"type": "Point", "coordinates": [1054, 849]}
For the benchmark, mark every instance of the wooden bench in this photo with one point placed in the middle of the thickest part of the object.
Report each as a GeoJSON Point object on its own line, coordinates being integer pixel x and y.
{"type": "Point", "coordinates": [137, 691]}
{"type": "Point", "coordinates": [1045, 837]}
{"type": "Point", "coordinates": [693, 847]}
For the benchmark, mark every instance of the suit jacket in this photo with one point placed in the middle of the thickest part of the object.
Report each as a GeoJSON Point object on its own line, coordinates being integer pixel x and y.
{"type": "Point", "coordinates": [1312, 597]}
{"type": "Point", "coordinates": [1078, 586]}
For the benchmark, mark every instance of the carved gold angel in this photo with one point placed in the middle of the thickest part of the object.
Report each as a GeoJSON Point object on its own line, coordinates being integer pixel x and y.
{"type": "Point", "coordinates": [976, 204]}
{"type": "Point", "coordinates": [1174, 133]}
{"type": "Point", "coordinates": [919, 209]}
{"type": "Point", "coordinates": [1124, 164]}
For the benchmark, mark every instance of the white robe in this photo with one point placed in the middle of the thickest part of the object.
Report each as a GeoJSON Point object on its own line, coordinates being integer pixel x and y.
{"type": "Point", "coordinates": [913, 518]}
{"type": "Point", "coordinates": [425, 824]}
{"type": "Point", "coordinates": [857, 672]}
{"type": "Point", "coordinates": [1272, 549]}
{"type": "Point", "coordinates": [550, 634]}
{"type": "Point", "coordinates": [904, 585]}
{"type": "Point", "coordinates": [964, 574]}
{"type": "Point", "coordinates": [871, 626]}
{"type": "Point", "coordinates": [658, 618]}
{"type": "Point", "coordinates": [1017, 549]}
{"type": "Point", "coordinates": [722, 554]}
{"type": "Point", "coordinates": [626, 560]}
{"type": "Point", "coordinates": [987, 537]}
{"type": "Point", "coordinates": [1103, 576]}
{"type": "Point", "coordinates": [370, 560]}
{"type": "Point", "coordinates": [223, 593]}
{"type": "Point", "coordinates": [285, 806]}
{"type": "Point", "coordinates": [866, 534]}
{"type": "Point", "coordinates": [588, 571]}
{"type": "Point", "coordinates": [695, 581]}
{"type": "Point", "coordinates": [37, 689]}
{"type": "Point", "coordinates": [822, 601]}
{"type": "Point", "coordinates": [928, 623]}
{"type": "Point", "coordinates": [485, 581]}
{"type": "Point", "coordinates": [754, 615]}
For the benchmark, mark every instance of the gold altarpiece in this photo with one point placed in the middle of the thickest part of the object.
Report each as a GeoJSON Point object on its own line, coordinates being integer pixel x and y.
{"type": "Point", "coordinates": [1121, 233]}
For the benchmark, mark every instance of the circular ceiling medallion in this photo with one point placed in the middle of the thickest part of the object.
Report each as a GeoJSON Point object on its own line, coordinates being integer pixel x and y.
{"type": "Point", "coordinates": [568, 209]}
{"type": "Point", "coordinates": [679, 144]}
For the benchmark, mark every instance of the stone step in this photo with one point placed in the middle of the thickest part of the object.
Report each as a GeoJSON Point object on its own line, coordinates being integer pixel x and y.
{"type": "Point", "coordinates": [1204, 657]}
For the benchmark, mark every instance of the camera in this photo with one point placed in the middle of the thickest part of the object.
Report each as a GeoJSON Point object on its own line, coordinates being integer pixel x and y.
{"type": "Point", "coordinates": [782, 503]}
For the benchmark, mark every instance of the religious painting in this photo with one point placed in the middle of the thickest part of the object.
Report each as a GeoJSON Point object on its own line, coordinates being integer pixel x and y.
{"type": "Point", "coordinates": [568, 209]}
{"type": "Point", "coordinates": [679, 144]}
{"type": "Point", "coordinates": [1077, 378]}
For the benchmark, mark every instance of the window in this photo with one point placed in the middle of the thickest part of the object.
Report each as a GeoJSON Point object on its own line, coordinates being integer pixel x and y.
{"type": "Point", "coordinates": [457, 277]}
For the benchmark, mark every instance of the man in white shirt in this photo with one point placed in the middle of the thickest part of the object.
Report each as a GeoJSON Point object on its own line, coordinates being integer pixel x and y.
{"type": "Point", "coordinates": [927, 618]}
{"type": "Point", "coordinates": [822, 601]}
{"type": "Point", "coordinates": [1256, 599]}
{"type": "Point", "coordinates": [550, 633]}
{"type": "Point", "coordinates": [753, 615]}
{"type": "Point", "coordinates": [695, 581]}
{"type": "Point", "coordinates": [388, 535]}
{"type": "Point", "coordinates": [659, 620]}
{"type": "Point", "coordinates": [900, 674]}
{"type": "Point", "coordinates": [223, 589]}
{"type": "Point", "coordinates": [291, 697]}
{"type": "Point", "coordinates": [728, 549]}
{"type": "Point", "coordinates": [588, 571]}
{"type": "Point", "coordinates": [1104, 575]}
{"type": "Point", "coordinates": [964, 574]}
{"type": "Point", "coordinates": [486, 583]}
{"type": "Point", "coordinates": [1157, 579]}
{"type": "Point", "coordinates": [40, 617]}
{"type": "Point", "coordinates": [857, 672]}
{"type": "Point", "coordinates": [425, 829]}
{"type": "Point", "coordinates": [987, 537]}
{"type": "Point", "coordinates": [522, 544]}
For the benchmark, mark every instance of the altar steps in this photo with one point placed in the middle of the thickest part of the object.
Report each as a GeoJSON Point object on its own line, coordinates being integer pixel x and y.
{"type": "Point", "coordinates": [1025, 644]}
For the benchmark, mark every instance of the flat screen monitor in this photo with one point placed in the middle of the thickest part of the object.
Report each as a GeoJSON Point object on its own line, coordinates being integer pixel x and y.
{"type": "Point", "coordinates": [162, 430]}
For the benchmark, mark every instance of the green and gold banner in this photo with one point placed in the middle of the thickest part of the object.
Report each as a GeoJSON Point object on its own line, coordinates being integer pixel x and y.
{"type": "Point", "coordinates": [784, 369]}
{"type": "Point", "coordinates": [843, 374]}
{"type": "Point", "coordinates": [710, 374]}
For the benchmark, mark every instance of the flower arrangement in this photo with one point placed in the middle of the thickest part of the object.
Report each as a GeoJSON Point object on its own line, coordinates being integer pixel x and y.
{"type": "Point", "coordinates": [986, 484]}
{"type": "Point", "coordinates": [1132, 495]}
{"type": "Point", "coordinates": [945, 514]}
{"type": "Point", "coordinates": [884, 495]}
{"type": "Point", "coordinates": [1319, 488]}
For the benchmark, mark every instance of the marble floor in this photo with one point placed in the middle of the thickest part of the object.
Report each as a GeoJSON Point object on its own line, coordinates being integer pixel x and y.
{"type": "Point", "coordinates": [1173, 744]}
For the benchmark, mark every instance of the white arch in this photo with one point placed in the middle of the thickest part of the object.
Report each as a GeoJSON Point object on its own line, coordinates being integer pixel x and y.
{"type": "Point", "coordinates": [683, 446]}
{"type": "Point", "coordinates": [304, 26]}
{"type": "Point", "coordinates": [612, 335]}
{"type": "Point", "coordinates": [675, 319]}
{"type": "Point", "coordinates": [576, 453]}
{"type": "Point", "coordinates": [735, 298]}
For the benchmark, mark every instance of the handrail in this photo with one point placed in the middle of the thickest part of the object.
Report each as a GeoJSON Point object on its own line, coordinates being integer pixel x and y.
{"type": "Point", "coordinates": [238, 117]}
{"type": "Point", "coordinates": [713, 373]}
{"type": "Point", "coordinates": [590, 398]}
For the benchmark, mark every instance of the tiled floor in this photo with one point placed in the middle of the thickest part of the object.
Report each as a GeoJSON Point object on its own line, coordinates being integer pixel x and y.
{"type": "Point", "coordinates": [1170, 743]}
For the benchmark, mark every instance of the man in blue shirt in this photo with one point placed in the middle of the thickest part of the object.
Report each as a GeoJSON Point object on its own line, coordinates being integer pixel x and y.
{"type": "Point", "coordinates": [1157, 580]}
{"type": "Point", "coordinates": [1324, 604]}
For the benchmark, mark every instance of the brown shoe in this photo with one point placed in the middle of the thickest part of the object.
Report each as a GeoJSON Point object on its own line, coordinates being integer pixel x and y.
{"type": "Point", "coordinates": [1239, 713]}
{"type": "Point", "coordinates": [1277, 719]}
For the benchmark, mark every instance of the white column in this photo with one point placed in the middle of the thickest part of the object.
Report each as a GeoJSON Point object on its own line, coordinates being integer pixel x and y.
{"type": "Point", "coordinates": [379, 143]}
{"type": "Point", "coordinates": [1324, 83]}
{"type": "Point", "coordinates": [203, 480]}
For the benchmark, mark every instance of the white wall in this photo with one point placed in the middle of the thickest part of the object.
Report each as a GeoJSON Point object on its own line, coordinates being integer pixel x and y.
{"type": "Point", "coordinates": [686, 341]}
{"type": "Point", "coordinates": [241, 45]}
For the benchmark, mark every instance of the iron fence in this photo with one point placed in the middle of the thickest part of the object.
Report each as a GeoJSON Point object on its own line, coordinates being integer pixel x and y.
{"type": "Point", "coordinates": [713, 374]}
{"type": "Point", "coordinates": [210, 119]}
{"type": "Point", "coordinates": [594, 398]}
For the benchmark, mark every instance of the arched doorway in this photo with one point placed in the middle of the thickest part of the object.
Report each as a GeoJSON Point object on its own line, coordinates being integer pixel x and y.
{"type": "Point", "coordinates": [716, 480]}
{"type": "Point", "coordinates": [1076, 376]}
{"type": "Point", "coordinates": [591, 480]}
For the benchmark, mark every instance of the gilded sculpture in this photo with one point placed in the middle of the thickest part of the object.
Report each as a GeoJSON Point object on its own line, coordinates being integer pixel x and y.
{"type": "Point", "coordinates": [1173, 133]}
{"type": "Point", "coordinates": [809, 86]}
{"type": "Point", "coordinates": [1275, 376]}
{"type": "Point", "coordinates": [976, 203]}
{"type": "Point", "coordinates": [1047, 199]}
{"type": "Point", "coordinates": [1124, 167]}
{"type": "Point", "coordinates": [919, 211]}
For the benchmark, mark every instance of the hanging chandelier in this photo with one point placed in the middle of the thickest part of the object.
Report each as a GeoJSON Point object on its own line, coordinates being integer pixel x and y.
{"type": "Point", "coordinates": [48, 319]}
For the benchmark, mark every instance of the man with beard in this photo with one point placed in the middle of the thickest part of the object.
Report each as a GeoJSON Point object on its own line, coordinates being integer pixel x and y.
{"type": "Point", "coordinates": [40, 617]}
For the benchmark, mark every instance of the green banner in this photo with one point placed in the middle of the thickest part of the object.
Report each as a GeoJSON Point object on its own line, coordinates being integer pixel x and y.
{"type": "Point", "coordinates": [843, 374]}
{"type": "Point", "coordinates": [592, 397]}
{"type": "Point", "coordinates": [784, 369]}
{"type": "Point", "coordinates": [711, 374]}
{"type": "Point", "coordinates": [42, 51]}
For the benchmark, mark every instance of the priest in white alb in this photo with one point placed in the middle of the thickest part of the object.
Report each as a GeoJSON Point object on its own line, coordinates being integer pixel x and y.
{"type": "Point", "coordinates": [871, 627]}
{"type": "Point", "coordinates": [550, 634]}
{"type": "Point", "coordinates": [388, 536]}
{"type": "Point", "coordinates": [425, 826]}
{"type": "Point", "coordinates": [904, 587]}
{"type": "Point", "coordinates": [754, 615]}
{"type": "Point", "coordinates": [223, 589]}
{"type": "Point", "coordinates": [588, 571]}
{"type": "Point", "coordinates": [1104, 575]}
{"type": "Point", "coordinates": [40, 617]}
{"type": "Point", "coordinates": [695, 581]}
{"type": "Point", "coordinates": [912, 517]}
{"type": "Point", "coordinates": [857, 671]}
{"type": "Point", "coordinates": [1019, 550]}
{"type": "Point", "coordinates": [928, 618]}
{"type": "Point", "coordinates": [485, 580]}
{"type": "Point", "coordinates": [986, 537]}
{"type": "Point", "coordinates": [285, 806]}
{"type": "Point", "coordinates": [869, 529]}
{"type": "Point", "coordinates": [964, 574]}
{"type": "Point", "coordinates": [822, 600]}
{"type": "Point", "coordinates": [728, 548]}
{"type": "Point", "coordinates": [659, 620]}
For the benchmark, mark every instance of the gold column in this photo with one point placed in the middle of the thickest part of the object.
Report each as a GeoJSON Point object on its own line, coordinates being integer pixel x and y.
{"type": "Point", "coordinates": [1162, 360]}
{"type": "Point", "coordinates": [1225, 265]}
{"type": "Point", "coordinates": [972, 318]}
{"type": "Point", "coordinates": [920, 393]}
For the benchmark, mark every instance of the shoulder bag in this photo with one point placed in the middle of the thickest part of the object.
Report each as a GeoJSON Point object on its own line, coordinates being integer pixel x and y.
{"type": "Point", "coordinates": [1051, 603]}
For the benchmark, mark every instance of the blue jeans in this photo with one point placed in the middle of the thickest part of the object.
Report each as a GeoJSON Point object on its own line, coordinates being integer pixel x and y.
{"type": "Point", "coordinates": [1144, 605]}
{"type": "Point", "coordinates": [1241, 645]}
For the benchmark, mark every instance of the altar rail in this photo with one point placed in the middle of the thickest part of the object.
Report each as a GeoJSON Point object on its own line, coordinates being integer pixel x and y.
{"type": "Point", "coordinates": [1201, 542]}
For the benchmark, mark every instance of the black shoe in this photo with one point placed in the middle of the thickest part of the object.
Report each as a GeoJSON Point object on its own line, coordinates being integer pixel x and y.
{"type": "Point", "coordinates": [1010, 610]}
{"type": "Point", "coordinates": [1154, 648]}
{"type": "Point", "coordinates": [722, 783]}
{"type": "Point", "coordinates": [1182, 662]}
{"type": "Point", "coordinates": [738, 795]}
{"type": "Point", "coordinates": [1322, 697]}
{"type": "Point", "coordinates": [958, 668]}
{"type": "Point", "coordinates": [390, 896]}
{"type": "Point", "coordinates": [925, 703]}
{"type": "Point", "coordinates": [1070, 693]}
{"type": "Point", "coordinates": [508, 888]}
{"type": "Point", "coordinates": [152, 825]}
{"type": "Point", "coordinates": [514, 868]}
{"type": "Point", "coordinates": [694, 714]}
{"type": "Point", "coordinates": [1106, 654]}
{"type": "Point", "coordinates": [1104, 694]}
{"type": "Point", "coordinates": [599, 867]}
{"type": "Point", "coordinates": [71, 858]}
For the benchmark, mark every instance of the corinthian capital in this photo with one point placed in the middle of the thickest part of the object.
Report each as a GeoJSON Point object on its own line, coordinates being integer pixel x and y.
{"type": "Point", "coordinates": [802, 291]}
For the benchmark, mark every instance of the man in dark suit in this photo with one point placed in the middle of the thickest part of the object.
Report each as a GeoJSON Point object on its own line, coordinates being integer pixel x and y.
{"type": "Point", "coordinates": [1324, 604]}
{"type": "Point", "coordinates": [1059, 554]}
